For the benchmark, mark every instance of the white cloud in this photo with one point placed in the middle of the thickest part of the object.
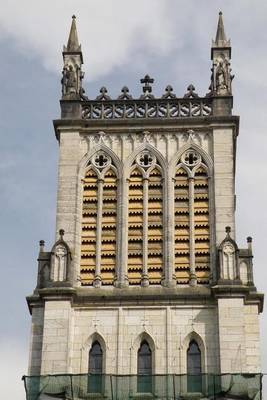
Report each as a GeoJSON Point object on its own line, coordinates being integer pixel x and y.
{"type": "Point", "coordinates": [110, 31]}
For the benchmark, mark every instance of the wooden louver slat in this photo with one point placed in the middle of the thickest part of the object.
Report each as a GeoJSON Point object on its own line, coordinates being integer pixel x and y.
{"type": "Point", "coordinates": [108, 228]}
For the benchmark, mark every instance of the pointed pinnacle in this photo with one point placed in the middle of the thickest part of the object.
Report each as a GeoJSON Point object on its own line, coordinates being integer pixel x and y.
{"type": "Point", "coordinates": [73, 43]}
{"type": "Point", "coordinates": [221, 40]}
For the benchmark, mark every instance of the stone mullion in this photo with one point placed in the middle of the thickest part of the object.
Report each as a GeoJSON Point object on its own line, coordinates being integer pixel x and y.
{"type": "Point", "coordinates": [97, 279]}
{"type": "Point", "coordinates": [117, 278]}
{"type": "Point", "coordinates": [123, 227]}
{"type": "Point", "coordinates": [145, 280]}
{"type": "Point", "coordinates": [212, 240]}
{"type": "Point", "coordinates": [169, 226]}
{"type": "Point", "coordinates": [193, 278]}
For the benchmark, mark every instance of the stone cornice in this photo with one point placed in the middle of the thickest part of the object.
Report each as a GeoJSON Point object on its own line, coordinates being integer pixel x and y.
{"type": "Point", "coordinates": [151, 296]}
{"type": "Point", "coordinates": [249, 293]}
{"type": "Point", "coordinates": [157, 125]}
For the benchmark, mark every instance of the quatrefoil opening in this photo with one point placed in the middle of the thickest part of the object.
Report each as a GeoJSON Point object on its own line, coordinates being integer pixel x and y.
{"type": "Point", "coordinates": [191, 158]}
{"type": "Point", "coordinates": [146, 159]}
{"type": "Point", "coordinates": [101, 160]}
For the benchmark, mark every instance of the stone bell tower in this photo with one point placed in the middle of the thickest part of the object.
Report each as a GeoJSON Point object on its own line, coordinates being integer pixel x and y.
{"type": "Point", "coordinates": [145, 291]}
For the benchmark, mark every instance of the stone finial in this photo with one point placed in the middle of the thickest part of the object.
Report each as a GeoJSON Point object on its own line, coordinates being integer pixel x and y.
{"type": "Point", "coordinates": [42, 246]}
{"type": "Point", "coordinates": [125, 94]}
{"type": "Point", "coordinates": [103, 94]}
{"type": "Point", "coordinates": [61, 233]}
{"type": "Point", "coordinates": [73, 43]}
{"type": "Point", "coordinates": [169, 93]}
{"type": "Point", "coordinates": [249, 242]}
{"type": "Point", "coordinates": [191, 92]}
{"type": "Point", "coordinates": [228, 230]}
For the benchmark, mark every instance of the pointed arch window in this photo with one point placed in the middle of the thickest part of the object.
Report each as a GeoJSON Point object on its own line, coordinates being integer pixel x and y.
{"type": "Point", "coordinates": [95, 368]}
{"type": "Point", "coordinates": [99, 217]}
{"type": "Point", "coordinates": [192, 228]}
{"type": "Point", "coordinates": [145, 221]}
{"type": "Point", "coordinates": [144, 368]}
{"type": "Point", "coordinates": [194, 378]}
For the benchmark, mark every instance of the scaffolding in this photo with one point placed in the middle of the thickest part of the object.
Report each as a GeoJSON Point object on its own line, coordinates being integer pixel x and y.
{"type": "Point", "coordinates": [145, 387]}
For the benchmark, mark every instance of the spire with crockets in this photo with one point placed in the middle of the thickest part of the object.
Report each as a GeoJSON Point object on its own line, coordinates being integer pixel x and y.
{"type": "Point", "coordinates": [221, 40]}
{"type": "Point", "coordinates": [221, 77]}
{"type": "Point", "coordinates": [72, 70]}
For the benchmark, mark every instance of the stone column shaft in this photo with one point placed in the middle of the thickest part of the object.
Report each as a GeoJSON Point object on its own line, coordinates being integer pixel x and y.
{"type": "Point", "coordinates": [193, 279]}
{"type": "Point", "coordinates": [145, 280]}
{"type": "Point", "coordinates": [124, 234]}
{"type": "Point", "coordinates": [99, 232]}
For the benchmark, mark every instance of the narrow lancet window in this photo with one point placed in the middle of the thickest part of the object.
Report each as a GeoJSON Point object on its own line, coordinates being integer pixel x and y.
{"type": "Point", "coordinates": [135, 227]}
{"type": "Point", "coordinates": [192, 229]}
{"type": "Point", "coordinates": [99, 217]}
{"type": "Point", "coordinates": [144, 368]}
{"type": "Point", "coordinates": [182, 226]}
{"type": "Point", "coordinates": [95, 368]}
{"type": "Point", "coordinates": [201, 225]}
{"type": "Point", "coordinates": [145, 221]}
{"type": "Point", "coordinates": [89, 222]}
{"type": "Point", "coordinates": [194, 378]}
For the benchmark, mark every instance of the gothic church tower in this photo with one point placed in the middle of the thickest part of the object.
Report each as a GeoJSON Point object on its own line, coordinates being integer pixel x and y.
{"type": "Point", "coordinates": [145, 291]}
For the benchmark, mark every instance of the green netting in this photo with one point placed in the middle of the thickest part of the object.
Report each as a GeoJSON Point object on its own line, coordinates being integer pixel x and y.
{"type": "Point", "coordinates": [146, 387]}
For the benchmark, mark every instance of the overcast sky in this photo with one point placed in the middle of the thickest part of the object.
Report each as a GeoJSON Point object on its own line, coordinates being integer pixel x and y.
{"type": "Point", "coordinates": [122, 40]}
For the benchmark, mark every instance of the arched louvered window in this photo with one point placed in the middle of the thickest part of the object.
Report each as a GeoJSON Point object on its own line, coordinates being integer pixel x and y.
{"type": "Point", "coordinates": [201, 224]}
{"type": "Point", "coordinates": [135, 227]}
{"type": "Point", "coordinates": [144, 368]}
{"type": "Point", "coordinates": [194, 378]}
{"type": "Point", "coordinates": [95, 368]}
{"type": "Point", "coordinates": [145, 221]}
{"type": "Point", "coordinates": [89, 223]}
{"type": "Point", "coordinates": [155, 227]}
{"type": "Point", "coordinates": [99, 216]}
{"type": "Point", "coordinates": [182, 226]}
{"type": "Point", "coordinates": [191, 208]}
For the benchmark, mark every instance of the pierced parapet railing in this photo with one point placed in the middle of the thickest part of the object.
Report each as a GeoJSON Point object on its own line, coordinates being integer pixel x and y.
{"type": "Point", "coordinates": [123, 387]}
{"type": "Point", "coordinates": [136, 109]}
{"type": "Point", "coordinates": [147, 106]}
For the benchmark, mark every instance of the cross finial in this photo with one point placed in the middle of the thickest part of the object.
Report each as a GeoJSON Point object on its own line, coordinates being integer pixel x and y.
{"type": "Point", "coordinates": [147, 88]}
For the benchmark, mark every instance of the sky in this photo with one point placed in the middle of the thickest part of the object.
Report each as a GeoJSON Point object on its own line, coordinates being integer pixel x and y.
{"type": "Point", "coordinates": [122, 40]}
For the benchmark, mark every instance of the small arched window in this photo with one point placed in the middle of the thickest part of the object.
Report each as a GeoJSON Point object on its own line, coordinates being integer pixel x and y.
{"type": "Point", "coordinates": [95, 368]}
{"type": "Point", "coordinates": [144, 368]}
{"type": "Point", "coordinates": [194, 378]}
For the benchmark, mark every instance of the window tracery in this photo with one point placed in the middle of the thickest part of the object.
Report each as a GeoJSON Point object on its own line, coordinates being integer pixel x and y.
{"type": "Point", "coordinates": [145, 221]}
{"type": "Point", "coordinates": [99, 215]}
{"type": "Point", "coordinates": [191, 208]}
